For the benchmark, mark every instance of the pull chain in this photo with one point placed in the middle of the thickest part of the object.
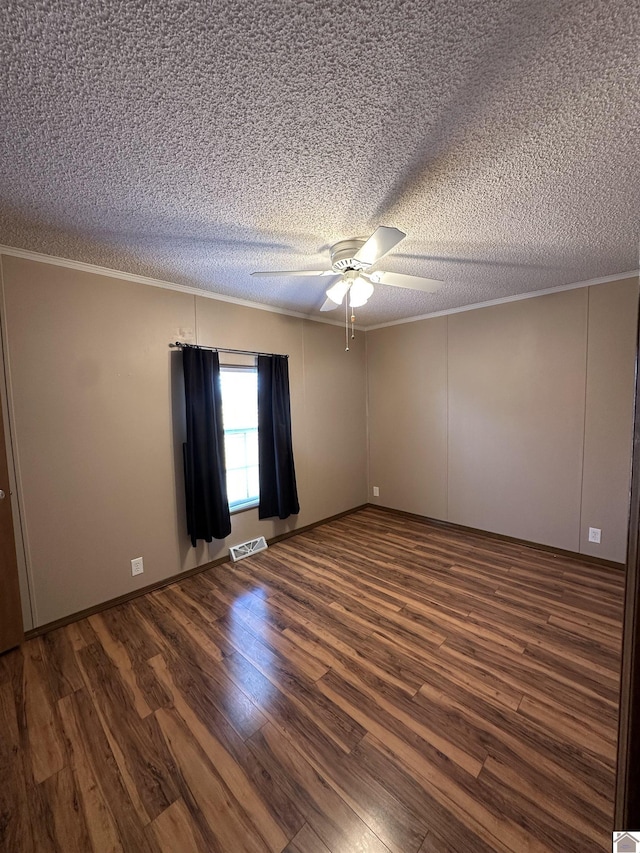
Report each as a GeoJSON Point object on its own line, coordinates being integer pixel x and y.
{"type": "Point", "coordinates": [353, 326]}
{"type": "Point", "coordinates": [346, 323]}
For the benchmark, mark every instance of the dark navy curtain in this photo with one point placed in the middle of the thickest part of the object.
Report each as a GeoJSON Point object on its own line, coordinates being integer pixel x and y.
{"type": "Point", "coordinates": [204, 465]}
{"type": "Point", "coordinates": [278, 491]}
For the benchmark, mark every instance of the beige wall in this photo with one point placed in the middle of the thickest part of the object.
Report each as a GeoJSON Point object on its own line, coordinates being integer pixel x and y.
{"type": "Point", "coordinates": [608, 418]}
{"type": "Point", "coordinates": [98, 425]}
{"type": "Point", "coordinates": [515, 419]}
{"type": "Point", "coordinates": [407, 369]}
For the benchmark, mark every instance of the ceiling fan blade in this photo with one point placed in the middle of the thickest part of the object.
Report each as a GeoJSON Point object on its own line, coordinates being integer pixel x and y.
{"type": "Point", "coordinates": [293, 272]}
{"type": "Point", "coordinates": [411, 282]}
{"type": "Point", "coordinates": [381, 241]}
{"type": "Point", "coordinates": [329, 305]}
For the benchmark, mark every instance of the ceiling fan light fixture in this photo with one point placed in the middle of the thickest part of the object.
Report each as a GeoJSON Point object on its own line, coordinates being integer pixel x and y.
{"type": "Point", "coordinates": [360, 291]}
{"type": "Point", "coordinates": [337, 291]}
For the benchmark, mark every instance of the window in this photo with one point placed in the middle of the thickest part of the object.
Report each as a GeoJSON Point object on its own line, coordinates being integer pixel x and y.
{"type": "Point", "coordinates": [239, 387]}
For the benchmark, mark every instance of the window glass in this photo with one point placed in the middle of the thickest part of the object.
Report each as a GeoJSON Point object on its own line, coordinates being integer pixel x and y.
{"type": "Point", "coordinates": [239, 387]}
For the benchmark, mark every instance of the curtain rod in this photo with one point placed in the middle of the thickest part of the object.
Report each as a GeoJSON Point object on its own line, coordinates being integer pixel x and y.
{"type": "Point", "coordinates": [181, 345]}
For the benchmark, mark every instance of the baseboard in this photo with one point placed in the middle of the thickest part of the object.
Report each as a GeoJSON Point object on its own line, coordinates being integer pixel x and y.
{"type": "Point", "coordinates": [136, 593]}
{"type": "Point", "coordinates": [120, 599]}
{"type": "Point", "coordinates": [308, 527]}
{"type": "Point", "coordinates": [487, 534]}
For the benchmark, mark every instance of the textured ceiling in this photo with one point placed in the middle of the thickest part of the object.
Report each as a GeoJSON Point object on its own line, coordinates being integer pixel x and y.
{"type": "Point", "coordinates": [195, 141]}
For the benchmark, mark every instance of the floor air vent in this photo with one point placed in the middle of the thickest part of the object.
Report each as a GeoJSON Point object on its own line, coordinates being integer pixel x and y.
{"type": "Point", "coordinates": [246, 549]}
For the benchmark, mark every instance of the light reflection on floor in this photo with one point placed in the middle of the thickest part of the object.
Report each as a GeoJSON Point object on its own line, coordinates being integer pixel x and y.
{"type": "Point", "coordinates": [248, 623]}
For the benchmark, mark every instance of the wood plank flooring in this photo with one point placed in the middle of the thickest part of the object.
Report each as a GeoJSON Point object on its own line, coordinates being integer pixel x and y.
{"type": "Point", "coordinates": [377, 684]}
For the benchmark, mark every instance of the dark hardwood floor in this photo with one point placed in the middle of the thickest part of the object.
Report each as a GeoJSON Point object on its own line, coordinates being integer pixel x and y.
{"type": "Point", "coordinates": [376, 684]}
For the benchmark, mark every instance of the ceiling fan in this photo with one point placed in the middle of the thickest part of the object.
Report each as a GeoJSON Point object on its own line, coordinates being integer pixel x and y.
{"type": "Point", "coordinates": [352, 259]}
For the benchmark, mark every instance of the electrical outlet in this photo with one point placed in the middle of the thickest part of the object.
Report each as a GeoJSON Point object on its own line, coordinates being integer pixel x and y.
{"type": "Point", "coordinates": [137, 567]}
{"type": "Point", "coordinates": [376, 492]}
{"type": "Point", "coordinates": [594, 535]}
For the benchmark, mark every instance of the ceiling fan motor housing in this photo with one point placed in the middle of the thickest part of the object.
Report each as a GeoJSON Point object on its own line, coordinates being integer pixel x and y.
{"type": "Point", "coordinates": [342, 256]}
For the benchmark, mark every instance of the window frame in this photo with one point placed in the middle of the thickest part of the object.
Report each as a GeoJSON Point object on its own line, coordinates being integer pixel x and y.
{"type": "Point", "coordinates": [253, 502]}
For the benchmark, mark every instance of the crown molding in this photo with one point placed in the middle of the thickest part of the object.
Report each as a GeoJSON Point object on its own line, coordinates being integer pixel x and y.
{"type": "Point", "coordinates": [82, 266]}
{"type": "Point", "coordinates": [516, 298]}
{"type": "Point", "coordinates": [40, 257]}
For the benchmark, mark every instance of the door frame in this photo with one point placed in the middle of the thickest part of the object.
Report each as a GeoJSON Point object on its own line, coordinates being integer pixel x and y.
{"type": "Point", "coordinates": [24, 580]}
{"type": "Point", "coordinates": [627, 799]}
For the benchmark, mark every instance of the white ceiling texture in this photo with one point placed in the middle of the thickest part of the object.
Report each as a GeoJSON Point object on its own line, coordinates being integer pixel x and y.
{"type": "Point", "coordinates": [195, 141]}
